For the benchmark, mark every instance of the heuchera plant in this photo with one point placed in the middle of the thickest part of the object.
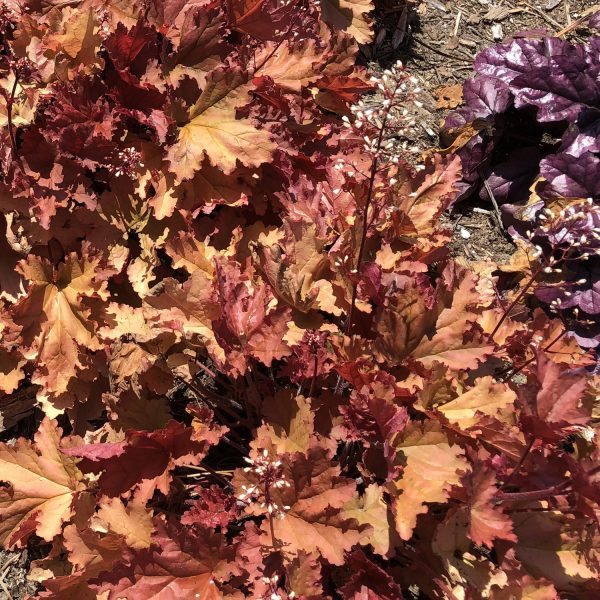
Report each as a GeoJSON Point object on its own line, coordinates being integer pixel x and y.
{"type": "Point", "coordinates": [530, 128]}
{"type": "Point", "coordinates": [258, 372]}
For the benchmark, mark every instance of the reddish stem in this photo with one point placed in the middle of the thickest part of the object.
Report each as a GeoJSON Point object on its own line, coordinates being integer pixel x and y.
{"type": "Point", "coordinates": [9, 106]}
{"type": "Point", "coordinates": [544, 494]}
{"type": "Point", "coordinates": [521, 461]}
{"type": "Point", "coordinates": [314, 377]}
{"type": "Point", "coordinates": [365, 221]}
{"type": "Point", "coordinates": [531, 281]}
{"type": "Point", "coordinates": [267, 493]}
{"type": "Point", "coordinates": [515, 302]}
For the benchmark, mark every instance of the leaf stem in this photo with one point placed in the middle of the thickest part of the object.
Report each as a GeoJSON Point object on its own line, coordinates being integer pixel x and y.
{"type": "Point", "coordinates": [533, 494]}
{"type": "Point", "coordinates": [314, 377]}
{"type": "Point", "coordinates": [10, 100]}
{"type": "Point", "coordinates": [267, 493]}
{"type": "Point", "coordinates": [515, 302]}
{"type": "Point", "coordinates": [521, 461]}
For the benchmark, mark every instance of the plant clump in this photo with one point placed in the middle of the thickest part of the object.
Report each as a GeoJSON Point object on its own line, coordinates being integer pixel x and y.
{"type": "Point", "coordinates": [258, 372]}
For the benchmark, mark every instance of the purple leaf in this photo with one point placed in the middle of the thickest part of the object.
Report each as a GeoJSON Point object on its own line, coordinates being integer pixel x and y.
{"type": "Point", "coordinates": [573, 177]}
{"type": "Point", "coordinates": [484, 97]}
{"type": "Point", "coordinates": [579, 139]}
{"type": "Point", "coordinates": [559, 78]}
{"type": "Point", "coordinates": [587, 334]}
{"type": "Point", "coordinates": [507, 61]}
{"type": "Point", "coordinates": [588, 299]}
{"type": "Point", "coordinates": [510, 180]}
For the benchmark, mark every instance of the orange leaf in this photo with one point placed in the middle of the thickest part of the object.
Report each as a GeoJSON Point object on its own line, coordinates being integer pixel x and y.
{"type": "Point", "coordinates": [349, 16]}
{"type": "Point", "coordinates": [43, 484]}
{"type": "Point", "coordinates": [432, 466]}
{"type": "Point", "coordinates": [215, 132]}
{"type": "Point", "coordinates": [487, 522]}
{"type": "Point", "coordinates": [133, 522]}
{"type": "Point", "coordinates": [55, 319]}
{"type": "Point", "coordinates": [315, 520]}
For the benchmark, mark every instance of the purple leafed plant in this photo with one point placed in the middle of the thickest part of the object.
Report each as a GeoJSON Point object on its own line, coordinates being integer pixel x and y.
{"type": "Point", "coordinates": [533, 112]}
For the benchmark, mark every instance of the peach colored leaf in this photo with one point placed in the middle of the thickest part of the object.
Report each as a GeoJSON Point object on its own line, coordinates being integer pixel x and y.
{"type": "Point", "coordinates": [486, 397]}
{"type": "Point", "coordinates": [447, 347]}
{"type": "Point", "coordinates": [91, 552]}
{"type": "Point", "coordinates": [191, 306]}
{"type": "Point", "coordinates": [304, 575]}
{"type": "Point", "coordinates": [431, 467]}
{"type": "Point", "coordinates": [407, 316]}
{"type": "Point", "coordinates": [43, 485]}
{"type": "Point", "coordinates": [57, 324]}
{"type": "Point", "coordinates": [133, 522]}
{"type": "Point", "coordinates": [349, 16]}
{"type": "Point", "coordinates": [423, 199]}
{"type": "Point", "coordinates": [294, 261]}
{"type": "Point", "coordinates": [253, 323]}
{"type": "Point", "coordinates": [487, 522]}
{"type": "Point", "coordinates": [77, 36]}
{"type": "Point", "coordinates": [288, 422]}
{"type": "Point", "coordinates": [526, 589]}
{"type": "Point", "coordinates": [144, 325]}
{"type": "Point", "coordinates": [140, 270]}
{"type": "Point", "coordinates": [130, 410]}
{"type": "Point", "coordinates": [372, 511]}
{"type": "Point", "coordinates": [559, 548]}
{"type": "Point", "coordinates": [294, 65]}
{"type": "Point", "coordinates": [190, 254]}
{"type": "Point", "coordinates": [181, 563]}
{"type": "Point", "coordinates": [67, 587]}
{"type": "Point", "coordinates": [215, 132]}
{"type": "Point", "coordinates": [11, 371]}
{"type": "Point", "coordinates": [464, 568]}
{"type": "Point", "coordinates": [458, 341]}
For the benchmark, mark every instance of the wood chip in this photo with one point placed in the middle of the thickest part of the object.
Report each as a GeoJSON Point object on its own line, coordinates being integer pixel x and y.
{"type": "Point", "coordinates": [437, 5]}
{"type": "Point", "coordinates": [552, 4]}
{"type": "Point", "coordinates": [497, 32]}
{"type": "Point", "coordinates": [452, 43]}
{"type": "Point", "coordinates": [496, 13]}
{"type": "Point", "coordinates": [467, 43]}
{"type": "Point", "coordinates": [457, 22]}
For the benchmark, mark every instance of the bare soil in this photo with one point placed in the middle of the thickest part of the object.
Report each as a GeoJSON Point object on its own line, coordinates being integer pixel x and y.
{"type": "Point", "coordinates": [477, 235]}
{"type": "Point", "coordinates": [14, 567]}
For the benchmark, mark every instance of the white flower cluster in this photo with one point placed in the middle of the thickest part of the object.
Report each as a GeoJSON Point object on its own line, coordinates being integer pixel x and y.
{"type": "Point", "coordinates": [130, 162]}
{"type": "Point", "coordinates": [577, 226]}
{"type": "Point", "coordinates": [391, 118]}
{"type": "Point", "coordinates": [273, 593]}
{"type": "Point", "coordinates": [270, 476]}
{"type": "Point", "coordinates": [573, 234]}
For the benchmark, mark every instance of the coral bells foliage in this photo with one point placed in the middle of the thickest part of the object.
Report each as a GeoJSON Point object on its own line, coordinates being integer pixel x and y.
{"type": "Point", "coordinates": [258, 372]}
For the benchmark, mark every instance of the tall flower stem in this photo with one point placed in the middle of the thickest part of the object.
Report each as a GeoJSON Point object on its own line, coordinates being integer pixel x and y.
{"type": "Point", "coordinates": [368, 202]}
{"type": "Point", "coordinates": [10, 100]}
